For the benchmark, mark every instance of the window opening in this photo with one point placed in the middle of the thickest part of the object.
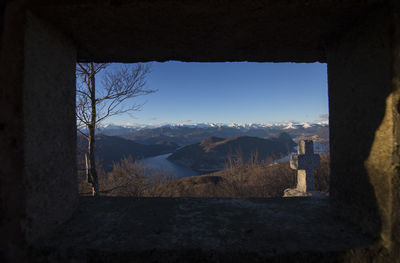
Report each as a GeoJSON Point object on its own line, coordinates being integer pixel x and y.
{"type": "Point", "coordinates": [203, 129]}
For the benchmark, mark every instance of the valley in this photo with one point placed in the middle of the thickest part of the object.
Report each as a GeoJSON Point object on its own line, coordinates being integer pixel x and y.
{"type": "Point", "coordinates": [190, 150]}
{"type": "Point", "coordinates": [213, 153]}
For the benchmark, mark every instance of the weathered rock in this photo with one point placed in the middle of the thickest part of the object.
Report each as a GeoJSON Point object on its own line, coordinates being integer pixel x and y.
{"type": "Point", "coordinates": [131, 227]}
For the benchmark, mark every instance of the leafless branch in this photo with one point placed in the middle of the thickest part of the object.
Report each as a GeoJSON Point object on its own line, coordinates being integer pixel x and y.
{"type": "Point", "coordinates": [93, 105]}
{"type": "Point", "coordinates": [82, 133]}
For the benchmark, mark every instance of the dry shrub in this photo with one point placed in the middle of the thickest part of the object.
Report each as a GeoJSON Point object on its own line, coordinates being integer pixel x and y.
{"type": "Point", "coordinates": [265, 178]}
{"type": "Point", "coordinates": [128, 178]}
{"type": "Point", "coordinates": [238, 180]}
{"type": "Point", "coordinates": [85, 188]}
{"type": "Point", "coordinates": [156, 178]}
{"type": "Point", "coordinates": [322, 175]}
{"type": "Point", "coordinates": [194, 186]}
{"type": "Point", "coordinates": [256, 179]}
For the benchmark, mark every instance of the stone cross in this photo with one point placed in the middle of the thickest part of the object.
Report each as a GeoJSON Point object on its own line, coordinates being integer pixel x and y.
{"type": "Point", "coordinates": [305, 161]}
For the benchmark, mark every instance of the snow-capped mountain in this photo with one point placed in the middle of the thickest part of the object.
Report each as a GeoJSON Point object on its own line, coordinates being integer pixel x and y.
{"type": "Point", "coordinates": [183, 133]}
{"type": "Point", "coordinates": [282, 125]}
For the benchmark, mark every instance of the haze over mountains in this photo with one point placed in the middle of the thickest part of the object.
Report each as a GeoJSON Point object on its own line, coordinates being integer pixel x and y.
{"type": "Point", "coordinates": [184, 134]}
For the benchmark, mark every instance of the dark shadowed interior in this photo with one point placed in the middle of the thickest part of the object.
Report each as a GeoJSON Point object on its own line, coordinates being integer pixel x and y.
{"type": "Point", "coordinates": [42, 40]}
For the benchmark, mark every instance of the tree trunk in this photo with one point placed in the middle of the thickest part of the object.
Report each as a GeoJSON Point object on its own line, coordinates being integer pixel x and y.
{"type": "Point", "coordinates": [92, 164]}
{"type": "Point", "coordinates": [87, 170]}
{"type": "Point", "coordinates": [92, 161]}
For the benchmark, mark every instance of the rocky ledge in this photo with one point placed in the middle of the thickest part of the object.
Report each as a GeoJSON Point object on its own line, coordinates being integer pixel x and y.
{"type": "Point", "coordinates": [198, 230]}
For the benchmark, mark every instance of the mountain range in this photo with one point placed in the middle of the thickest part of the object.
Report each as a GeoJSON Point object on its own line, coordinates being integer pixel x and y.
{"type": "Point", "coordinates": [115, 142]}
{"type": "Point", "coordinates": [281, 125]}
{"type": "Point", "coordinates": [185, 134]}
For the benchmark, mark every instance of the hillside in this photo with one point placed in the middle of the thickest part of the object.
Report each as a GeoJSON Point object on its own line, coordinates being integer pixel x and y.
{"type": "Point", "coordinates": [242, 181]}
{"type": "Point", "coordinates": [110, 149]}
{"type": "Point", "coordinates": [238, 182]}
{"type": "Point", "coordinates": [212, 153]}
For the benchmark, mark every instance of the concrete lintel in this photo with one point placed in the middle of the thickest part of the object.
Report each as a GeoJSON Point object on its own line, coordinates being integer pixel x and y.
{"type": "Point", "coordinates": [203, 30]}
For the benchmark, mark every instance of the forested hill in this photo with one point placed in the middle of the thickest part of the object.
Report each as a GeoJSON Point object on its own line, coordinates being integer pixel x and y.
{"type": "Point", "coordinates": [212, 153]}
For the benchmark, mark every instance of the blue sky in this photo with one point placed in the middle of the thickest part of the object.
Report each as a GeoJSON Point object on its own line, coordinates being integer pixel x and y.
{"type": "Point", "coordinates": [238, 92]}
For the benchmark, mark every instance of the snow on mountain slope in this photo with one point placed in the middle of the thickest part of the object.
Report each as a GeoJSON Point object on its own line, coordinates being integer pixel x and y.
{"type": "Point", "coordinates": [281, 125]}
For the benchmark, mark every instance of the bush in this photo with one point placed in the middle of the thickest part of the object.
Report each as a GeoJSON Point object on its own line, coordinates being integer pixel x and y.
{"type": "Point", "coordinates": [256, 179]}
{"type": "Point", "coordinates": [128, 178]}
{"type": "Point", "coordinates": [238, 180]}
{"type": "Point", "coordinates": [322, 175]}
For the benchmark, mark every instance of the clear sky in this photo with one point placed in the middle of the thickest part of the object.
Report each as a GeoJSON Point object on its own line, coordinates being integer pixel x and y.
{"type": "Point", "coordinates": [238, 92]}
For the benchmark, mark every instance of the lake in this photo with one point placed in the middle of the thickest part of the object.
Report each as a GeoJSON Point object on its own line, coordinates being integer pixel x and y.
{"type": "Point", "coordinates": [160, 162]}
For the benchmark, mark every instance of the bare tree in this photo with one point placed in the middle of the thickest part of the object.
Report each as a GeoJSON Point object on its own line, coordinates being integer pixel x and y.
{"type": "Point", "coordinates": [95, 105]}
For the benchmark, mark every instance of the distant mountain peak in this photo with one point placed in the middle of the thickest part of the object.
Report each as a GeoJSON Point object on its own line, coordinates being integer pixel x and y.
{"type": "Point", "coordinates": [284, 125]}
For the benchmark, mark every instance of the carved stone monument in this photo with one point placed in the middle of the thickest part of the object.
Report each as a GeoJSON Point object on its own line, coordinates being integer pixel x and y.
{"type": "Point", "coordinates": [305, 161]}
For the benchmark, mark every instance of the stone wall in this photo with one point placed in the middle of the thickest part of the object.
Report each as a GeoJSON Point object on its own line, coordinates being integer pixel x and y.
{"type": "Point", "coordinates": [363, 125]}
{"type": "Point", "coordinates": [394, 110]}
{"type": "Point", "coordinates": [49, 129]}
{"type": "Point", "coordinates": [12, 192]}
{"type": "Point", "coordinates": [37, 126]}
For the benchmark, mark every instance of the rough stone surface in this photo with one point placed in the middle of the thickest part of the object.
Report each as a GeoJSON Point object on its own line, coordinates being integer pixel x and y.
{"type": "Point", "coordinates": [395, 113]}
{"type": "Point", "coordinates": [118, 227]}
{"type": "Point", "coordinates": [49, 106]}
{"type": "Point", "coordinates": [12, 192]}
{"type": "Point", "coordinates": [359, 39]}
{"type": "Point", "coordinates": [49, 129]}
{"type": "Point", "coordinates": [364, 121]}
{"type": "Point", "coordinates": [193, 30]}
